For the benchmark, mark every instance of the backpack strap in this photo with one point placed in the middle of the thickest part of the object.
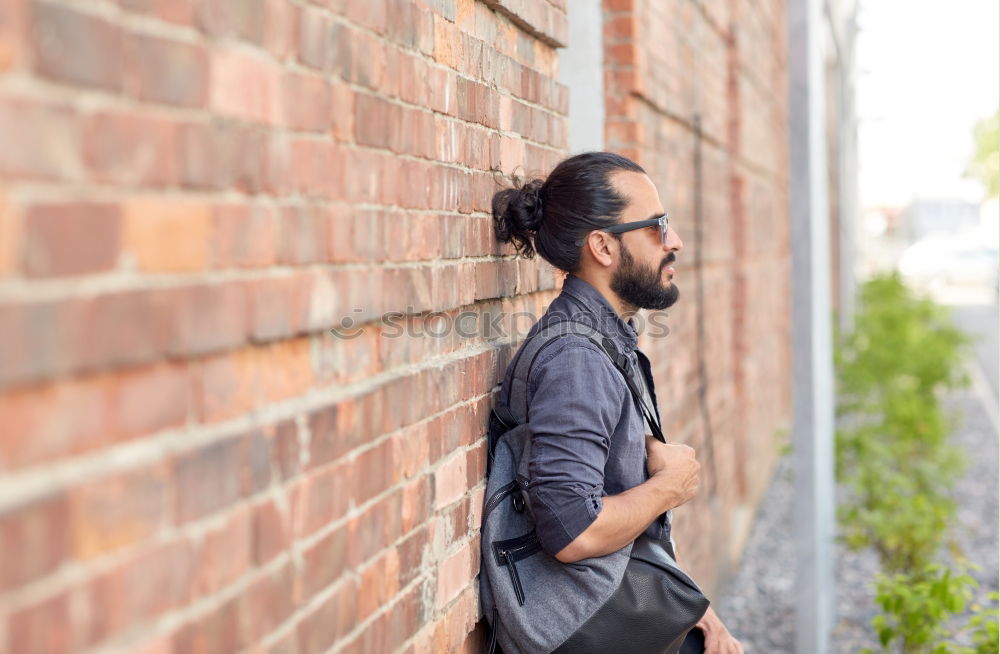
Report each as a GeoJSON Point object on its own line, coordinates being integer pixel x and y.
{"type": "Point", "coordinates": [516, 411]}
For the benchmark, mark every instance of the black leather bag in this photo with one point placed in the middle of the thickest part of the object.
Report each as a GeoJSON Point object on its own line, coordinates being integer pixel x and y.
{"type": "Point", "coordinates": [656, 603]}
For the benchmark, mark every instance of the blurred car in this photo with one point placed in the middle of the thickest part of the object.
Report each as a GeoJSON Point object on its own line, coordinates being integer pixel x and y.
{"type": "Point", "coordinates": [943, 260]}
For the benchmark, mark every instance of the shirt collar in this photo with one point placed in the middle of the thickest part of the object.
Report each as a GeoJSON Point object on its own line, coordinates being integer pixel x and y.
{"type": "Point", "coordinates": [608, 320]}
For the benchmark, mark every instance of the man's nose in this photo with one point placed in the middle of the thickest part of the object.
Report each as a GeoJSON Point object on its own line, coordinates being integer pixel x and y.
{"type": "Point", "coordinates": [674, 242]}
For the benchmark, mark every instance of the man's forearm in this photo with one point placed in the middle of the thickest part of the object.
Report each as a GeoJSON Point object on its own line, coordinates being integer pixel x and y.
{"type": "Point", "coordinates": [623, 517]}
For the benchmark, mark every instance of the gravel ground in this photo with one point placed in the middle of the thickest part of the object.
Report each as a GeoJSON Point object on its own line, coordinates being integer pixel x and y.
{"type": "Point", "coordinates": [758, 603]}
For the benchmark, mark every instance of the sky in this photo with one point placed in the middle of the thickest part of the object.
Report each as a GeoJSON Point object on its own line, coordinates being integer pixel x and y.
{"type": "Point", "coordinates": [927, 70]}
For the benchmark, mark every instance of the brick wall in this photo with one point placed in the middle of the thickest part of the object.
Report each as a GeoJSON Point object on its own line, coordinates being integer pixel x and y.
{"type": "Point", "coordinates": [193, 192]}
{"type": "Point", "coordinates": [696, 92]}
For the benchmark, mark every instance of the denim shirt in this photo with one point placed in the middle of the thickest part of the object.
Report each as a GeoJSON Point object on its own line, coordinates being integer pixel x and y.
{"type": "Point", "coordinates": [588, 433]}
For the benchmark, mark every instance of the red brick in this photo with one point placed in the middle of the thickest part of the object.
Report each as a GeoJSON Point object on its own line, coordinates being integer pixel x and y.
{"type": "Point", "coordinates": [316, 34]}
{"type": "Point", "coordinates": [73, 47]}
{"type": "Point", "coordinates": [454, 626]}
{"type": "Point", "coordinates": [279, 28]}
{"type": "Point", "coordinates": [358, 57]}
{"type": "Point", "coordinates": [330, 621]}
{"type": "Point", "coordinates": [324, 562]}
{"type": "Point", "coordinates": [37, 534]}
{"type": "Point", "coordinates": [414, 553]}
{"type": "Point", "coordinates": [171, 72]}
{"type": "Point", "coordinates": [334, 431]}
{"type": "Point", "coordinates": [379, 583]}
{"type": "Point", "coordinates": [218, 630]}
{"type": "Point", "coordinates": [40, 141]}
{"type": "Point", "coordinates": [278, 306]}
{"type": "Point", "coordinates": [301, 235]}
{"type": "Point", "coordinates": [206, 318]}
{"type": "Point", "coordinates": [457, 518]}
{"type": "Point", "coordinates": [256, 472]}
{"type": "Point", "coordinates": [245, 19]}
{"type": "Point", "coordinates": [450, 480]}
{"type": "Point", "coordinates": [290, 366]}
{"type": "Point", "coordinates": [70, 239]}
{"type": "Point", "coordinates": [342, 111]}
{"type": "Point", "coordinates": [57, 337]}
{"type": "Point", "coordinates": [112, 512]}
{"type": "Point", "coordinates": [140, 589]}
{"type": "Point", "coordinates": [375, 472]}
{"type": "Point", "coordinates": [224, 554]}
{"type": "Point", "coordinates": [243, 235]}
{"type": "Point", "coordinates": [266, 603]}
{"type": "Point", "coordinates": [208, 478]}
{"type": "Point", "coordinates": [152, 398]}
{"type": "Point", "coordinates": [167, 236]}
{"type": "Point", "coordinates": [417, 503]}
{"type": "Point", "coordinates": [286, 450]}
{"type": "Point", "coordinates": [12, 32]}
{"type": "Point", "coordinates": [10, 236]}
{"type": "Point", "coordinates": [323, 498]}
{"type": "Point", "coordinates": [222, 155]}
{"type": "Point", "coordinates": [372, 15]}
{"type": "Point", "coordinates": [379, 123]}
{"type": "Point", "coordinates": [245, 87]}
{"type": "Point", "coordinates": [317, 168]}
{"type": "Point", "coordinates": [374, 529]}
{"type": "Point", "coordinates": [180, 12]}
{"type": "Point", "coordinates": [129, 149]}
{"type": "Point", "coordinates": [410, 25]}
{"type": "Point", "coordinates": [115, 329]}
{"type": "Point", "coordinates": [229, 384]}
{"type": "Point", "coordinates": [40, 410]}
{"type": "Point", "coordinates": [309, 102]}
{"type": "Point", "coordinates": [42, 628]}
{"type": "Point", "coordinates": [271, 531]}
{"type": "Point", "coordinates": [392, 628]}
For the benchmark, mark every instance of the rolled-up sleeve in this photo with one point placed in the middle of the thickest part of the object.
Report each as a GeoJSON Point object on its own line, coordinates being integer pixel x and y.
{"type": "Point", "coordinates": [575, 401]}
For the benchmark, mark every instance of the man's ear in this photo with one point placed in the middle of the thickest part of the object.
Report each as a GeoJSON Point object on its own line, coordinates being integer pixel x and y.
{"type": "Point", "coordinates": [602, 247]}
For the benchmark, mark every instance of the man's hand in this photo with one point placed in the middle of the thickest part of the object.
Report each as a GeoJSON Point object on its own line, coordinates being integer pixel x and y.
{"type": "Point", "coordinates": [718, 640]}
{"type": "Point", "coordinates": [676, 465]}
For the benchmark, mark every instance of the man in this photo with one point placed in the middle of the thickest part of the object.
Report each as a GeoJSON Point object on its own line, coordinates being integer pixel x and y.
{"type": "Point", "coordinates": [598, 479]}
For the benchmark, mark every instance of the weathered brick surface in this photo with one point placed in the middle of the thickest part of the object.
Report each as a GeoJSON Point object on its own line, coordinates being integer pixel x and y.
{"type": "Point", "coordinates": [194, 192]}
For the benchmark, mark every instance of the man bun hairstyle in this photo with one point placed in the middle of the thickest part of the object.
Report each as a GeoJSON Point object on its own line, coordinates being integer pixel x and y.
{"type": "Point", "coordinates": [549, 215]}
{"type": "Point", "coordinates": [517, 214]}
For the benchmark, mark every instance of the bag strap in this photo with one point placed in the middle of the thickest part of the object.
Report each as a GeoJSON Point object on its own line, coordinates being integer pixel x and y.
{"type": "Point", "coordinates": [516, 410]}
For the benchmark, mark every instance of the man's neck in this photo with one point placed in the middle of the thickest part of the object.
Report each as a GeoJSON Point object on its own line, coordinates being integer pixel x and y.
{"type": "Point", "coordinates": [624, 310]}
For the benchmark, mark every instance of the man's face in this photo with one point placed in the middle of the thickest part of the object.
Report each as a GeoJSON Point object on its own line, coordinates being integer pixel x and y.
{"type": "Point", "coordinates": [644, 277]}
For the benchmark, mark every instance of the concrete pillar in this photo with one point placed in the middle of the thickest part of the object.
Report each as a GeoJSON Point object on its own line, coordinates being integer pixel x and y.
{"type": "Point", "coordinates": [581, 68]}
{"type": "Point", "coordinates": [811, 329]}
{"type": "Point", "coordinates": [850, 213]}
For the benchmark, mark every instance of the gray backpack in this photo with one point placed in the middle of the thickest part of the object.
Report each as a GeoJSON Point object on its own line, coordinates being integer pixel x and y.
{"type": "Point", "coordinates": [533, 602]}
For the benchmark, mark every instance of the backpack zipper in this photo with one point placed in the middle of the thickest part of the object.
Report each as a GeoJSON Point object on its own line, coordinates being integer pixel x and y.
{"type": "Point", "coordinates": [514, 577]}
{"type": "Point", "coordinates": [507, 557]}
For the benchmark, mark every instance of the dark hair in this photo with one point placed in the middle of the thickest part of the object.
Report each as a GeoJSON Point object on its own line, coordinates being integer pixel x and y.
{"type": "Point", "coordinates": [550, 215]}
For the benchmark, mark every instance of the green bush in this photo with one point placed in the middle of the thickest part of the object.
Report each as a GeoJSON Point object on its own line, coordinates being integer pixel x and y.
{"type": "Point", "coordinates": [917, 608]}
{"type": "Point", "coordinates": [895, 461]}
{"type": "Point", "coordinates": [985, 627]}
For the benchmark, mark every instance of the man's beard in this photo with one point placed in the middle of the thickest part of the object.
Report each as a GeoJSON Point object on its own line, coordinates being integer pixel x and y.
{"type": "Point", "coordinates": [641, 287]}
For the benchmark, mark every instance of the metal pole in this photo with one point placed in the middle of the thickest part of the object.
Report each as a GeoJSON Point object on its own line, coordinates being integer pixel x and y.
{"type": "Point", "coordinates": [812, 383]}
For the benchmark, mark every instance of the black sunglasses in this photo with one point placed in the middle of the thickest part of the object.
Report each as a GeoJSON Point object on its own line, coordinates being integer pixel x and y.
{"type": "Point", "coordinates": [638, 224]}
